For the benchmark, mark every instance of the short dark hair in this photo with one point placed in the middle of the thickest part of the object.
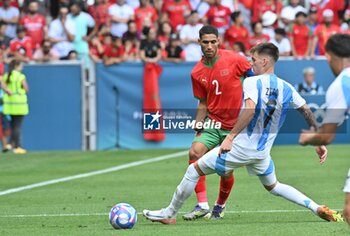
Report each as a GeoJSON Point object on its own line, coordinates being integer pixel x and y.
{"type": "Point", "coordinates": [235, 15]}
{"type": "Point", "coordinates": [280, 31]}
{"type": "Point", "coordinates": [208, 29]}
{"type": "Point", "coordinates": [268, 49]}
{"type": "Point", "coordinates": [339, 44]}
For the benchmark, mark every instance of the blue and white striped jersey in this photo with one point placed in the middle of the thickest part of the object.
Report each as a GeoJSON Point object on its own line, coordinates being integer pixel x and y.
{"type": "Point", "coordinates": [272, 96]}
{"type": "Point", "coordinates": [338, 98]}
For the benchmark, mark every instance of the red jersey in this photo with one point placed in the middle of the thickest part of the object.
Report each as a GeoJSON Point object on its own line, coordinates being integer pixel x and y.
{"type": "Point", "coordinates": [333, 5]}
{"type": "Point", "coordinates": [35, 28]}
{"type": "Point", "coordinates": [100, 13]}
{"type": "Point", "coordinates": [221, 86]}
{"type": "Point", "coordinates": [143, 13]}
{"type": "Point", "coordinates": [301, 34]}
{"type": "Point", "coordinates": [255, 40]}
{"type": "Point", "coordinates": [219, 16]}
{"type": "Point", "coordinates": [2, 69]}
{"type": "Point", "coordinates": [323, 33]}
{"type": "Point", "coordinates": [14, 3]}
{"type": "Point", "coordinates": [260, 7]}
{"type": "Point", "coordinates": [23, 46]}
{"type": "Point", "coordinates": [111, 51]}
{"type": "Point", "coordinates": [176, 11]}
{"type": "Point", "coordinates": [237, 34]}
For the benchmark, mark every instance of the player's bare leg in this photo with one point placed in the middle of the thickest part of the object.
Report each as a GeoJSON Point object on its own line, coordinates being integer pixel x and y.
{"type": "Point", "coordinates": [347, 208]}
{"type": "Point", "coordinates": [290, 193]}
{"type": "Point", "coordinates": [202, 208]}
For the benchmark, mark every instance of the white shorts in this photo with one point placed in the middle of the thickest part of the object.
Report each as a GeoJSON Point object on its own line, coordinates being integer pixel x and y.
{"type": "Point", "coordinates": [347, 184]}
{"type": "Point", "coordinates": [225, 163]}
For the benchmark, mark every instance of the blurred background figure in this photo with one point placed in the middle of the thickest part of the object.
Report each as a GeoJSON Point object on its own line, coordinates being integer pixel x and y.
{"type": "Point", "coordinates": [300, 36]}
{"type": "Point", "coordinates": [46, 53]}
{"type": "Point", "coordinates": [16, 104]}
{"type": "Point", "coordinates": [282, 42]}
{"type": "Point", "coordinates": [150, 50]}
{"type": "Point", "coordinates": [120, 13]}
{"type": "Point", "coordinates": [237, 32]}
{"type": "Point", "coordinates": [189, 35]}
{"type": "Point", "coordinates": [268, 20]}
{"type": "Point", "coordinates": [131, 40]}
{"type": "Point", "coordinates": [145, 13]}
{"type": "Point", "coordinates": [288, 13]}
{"type": "Point", "coordinates": [96, 49]}
{"type": "Point", "coordinates": [309, 85]}
{"type": "Point", "coordinates": [218, 16]}
{"type": "Point", "coordinates": [62, 34]}
{"type": "Point", "coordinates": [115, 53]}
{"type": "Point", "coordinates": [175, 12]}
{"type": "Point", "coordinates": [21, 46]}
{"type": "Point", "coordinates": [258, 36]}
{"type": "Point", "coordinates": [10, 16]}
{"type": "Point", "coordinates": [173, 52]}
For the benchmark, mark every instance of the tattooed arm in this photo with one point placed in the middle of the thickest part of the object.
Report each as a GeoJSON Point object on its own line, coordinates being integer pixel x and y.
{"type": "Point", "coordinates": [309, 116]}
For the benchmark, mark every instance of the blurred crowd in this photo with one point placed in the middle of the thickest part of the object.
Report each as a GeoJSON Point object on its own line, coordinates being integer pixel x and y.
{"type": "Point", "coordinates": [113, 31]}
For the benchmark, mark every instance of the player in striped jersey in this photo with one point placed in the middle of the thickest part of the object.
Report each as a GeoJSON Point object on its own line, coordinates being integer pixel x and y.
{"type": "Point", "coordinates": [266, 100]}
{"type": "Point", "coordinates": [337, 101]}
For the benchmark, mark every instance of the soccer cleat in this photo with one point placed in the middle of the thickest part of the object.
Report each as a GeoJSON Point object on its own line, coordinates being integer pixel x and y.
{"type": "Point", "coordinates": [217, 213]}
{"type": "Point", "coordinates": [329, 215]}
{"type": "Point", "coordinates": [159, 216]}
{"type": "Point", "coordinates": [196, 213]}
{"type": "Point", "coordinates": [19, 150]}
{"type": "Point", "coordinates": [7, 148]}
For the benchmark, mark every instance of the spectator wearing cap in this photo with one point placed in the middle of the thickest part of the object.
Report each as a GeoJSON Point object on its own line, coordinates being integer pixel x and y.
{"type": "Point", "coordinates": [323, 32]}
{"type": "Point", "coordinates": [173, 52]}
{"type": "Point", "coordinates": [309, 86]}
{"type": "Point", "coordinates": [281, 41]}
{"type": "Point", "coordinates": [21, 47]}
{"type": "Point", "coordinates": [115, 53]}
{"type": "Point", "coordinates": [189, 37]}
{"type": "Point", "coordinates": [150, 50]}
{"type": "Point", "coordinates": [269, 18]}
{"type": "Point", "coordinates": [35, 24]}
{"type": "Point", "coordinates": [62, 33]}
{"type": "Point", "coordinates": [10, 16]}
{"type": "Point", "coordinates": [336, 6]}
{"type": "Point", "coordinates": [175, 12]}
{"type": "Point", "coordinates": [120, 14]}
{"type": "Point", "coordinates": [218, 16]}
{"type": "Point", "coordinates": [300, 36]}
{"type": "Point", "coordinates": [288, 13]}
{"type": "Point", "coordinates": [145, 13]}
{"type": "Point", "coordinates": [237, 32]}
{"type": "Point", "coordinates": [258, 35]}
{"type": "Point", "coordinates": [262, 6]}
{"type": "Point", "coordinates": [312, 21]}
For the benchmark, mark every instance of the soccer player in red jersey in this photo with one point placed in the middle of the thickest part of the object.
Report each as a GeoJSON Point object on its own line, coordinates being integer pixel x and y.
{"type": "Point", "coordinates": [216, 84]}
{"type": "Point", "coordinates": [35, 24]}
{"type": "Point", "coordinates": [176, 11]}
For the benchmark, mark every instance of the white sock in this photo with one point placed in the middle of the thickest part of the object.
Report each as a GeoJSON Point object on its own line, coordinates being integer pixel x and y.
{"type": "Point", "coordinates": [293, 195]}
{"type": "Point", "coordinates": [183, 190]}
{"type": "Point", "coordinates": [204, 205]}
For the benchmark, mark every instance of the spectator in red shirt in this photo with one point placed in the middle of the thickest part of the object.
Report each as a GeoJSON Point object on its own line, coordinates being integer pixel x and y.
{"type": "Point", "coordinates": [258, 36]}
{"type": "Point", "coordinates": [35, 24]}
{"type": "Point", "coordinates": [145, 15]}
{"type": "Point", "coordinates": [96, 49]}
{"type": "Point", "coordinates": [99, 11]}
{"type": "Point", "coordinates": [237, 32]}
{"type": "Point", "coordinates": [131, 41]}
{"type": "Point", "coordinates": [114, 53]}
{"type": "Point", "coordinates": [335, 6]}
{"type": "Point", "coordinates": [176, 11]}
{"type": "Point", "coordinates": [13, 3]}
{"type": "Point", "coordinates": [262, 6]}
{"type": "Point", "coordinates": [300, 36]}
{"type": "Point", "coordinates": [21, 47]}
{"type": "Point", "coordinates": [164, 34]}
{"type": "Point", "coordinates": [218, 16]}
{"type": "Point", "coordinates": [323, 32]}
{"type": "Point", "coordinates": [173, 52]}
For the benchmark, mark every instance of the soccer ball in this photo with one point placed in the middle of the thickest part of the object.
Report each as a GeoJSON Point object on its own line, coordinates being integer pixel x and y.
{"type": "Point", "coordinates": [123, 216]}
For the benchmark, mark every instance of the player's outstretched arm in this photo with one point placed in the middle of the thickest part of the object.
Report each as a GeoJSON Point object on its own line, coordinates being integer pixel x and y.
{"type": "Point", "coordinates": [244, 119]}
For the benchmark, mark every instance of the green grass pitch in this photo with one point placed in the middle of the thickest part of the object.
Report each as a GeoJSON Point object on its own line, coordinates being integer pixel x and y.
{"type": "Point", "coordinates": [81, 206]}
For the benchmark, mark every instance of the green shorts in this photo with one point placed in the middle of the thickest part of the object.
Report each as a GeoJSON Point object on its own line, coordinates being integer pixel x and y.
{"type": "Point", "coordinates": [211, 137]}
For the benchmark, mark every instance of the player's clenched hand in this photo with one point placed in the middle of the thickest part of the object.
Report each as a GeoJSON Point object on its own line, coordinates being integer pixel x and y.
{"type": "Point", "coordinates": [225, 146]}
{"type": "Point", "coordinates": [322, 153]}
{"type": "Point", "coordinates": [305, 136]}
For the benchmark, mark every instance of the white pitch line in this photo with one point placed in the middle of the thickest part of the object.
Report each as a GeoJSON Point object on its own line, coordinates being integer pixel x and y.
{"type": "Point", "coordinates": [98, 172]}
{"type": "Point", "coordinates": [139, 213]}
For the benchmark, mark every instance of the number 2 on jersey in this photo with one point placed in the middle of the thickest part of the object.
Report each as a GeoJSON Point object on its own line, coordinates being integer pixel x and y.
{"type": "Point", "coordinates": [216, 83]}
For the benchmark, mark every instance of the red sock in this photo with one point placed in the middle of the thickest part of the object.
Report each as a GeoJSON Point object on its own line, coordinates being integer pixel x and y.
{"type": "Point", "coordinates": [225, 190]}
{"type": "Point", "coordinates": [201, 190]}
